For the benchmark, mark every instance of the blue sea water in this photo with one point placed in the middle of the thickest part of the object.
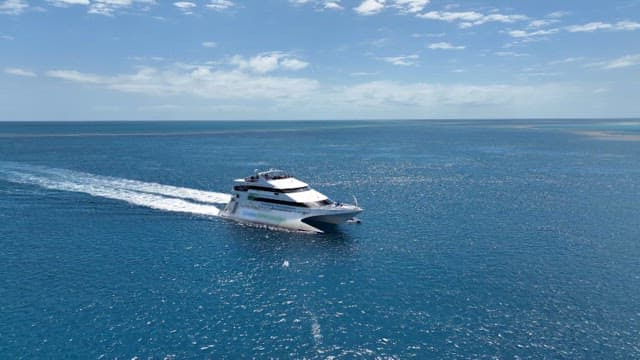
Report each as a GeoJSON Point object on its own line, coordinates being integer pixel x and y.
{"type": "Point", "coordinates": [480, 239]}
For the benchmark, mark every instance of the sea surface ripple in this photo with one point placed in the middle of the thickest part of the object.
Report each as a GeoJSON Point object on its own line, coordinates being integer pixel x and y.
{"type": "Point", "coordinates": [480, 239]}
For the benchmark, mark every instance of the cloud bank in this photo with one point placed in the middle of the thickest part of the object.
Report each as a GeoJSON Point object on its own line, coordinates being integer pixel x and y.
{"type": "Point", "coordinates": [249, 85]}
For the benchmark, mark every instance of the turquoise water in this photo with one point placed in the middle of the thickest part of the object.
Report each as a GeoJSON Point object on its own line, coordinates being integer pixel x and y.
{"type": "Point", "coordinates": [480, 239]}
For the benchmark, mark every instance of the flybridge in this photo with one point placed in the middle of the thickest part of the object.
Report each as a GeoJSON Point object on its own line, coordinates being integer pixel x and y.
{"type": "Point", "coordinates": [272, 174]}
{"type": "Point", "coordinates": [270, 180]}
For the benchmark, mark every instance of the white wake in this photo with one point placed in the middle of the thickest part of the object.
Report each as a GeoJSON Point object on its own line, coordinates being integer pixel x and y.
{"type": "Point", "coordinates": [152, 195]}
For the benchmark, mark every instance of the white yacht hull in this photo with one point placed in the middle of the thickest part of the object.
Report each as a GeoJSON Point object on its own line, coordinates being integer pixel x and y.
{"type": "Point", "coordinates": [286, 217]}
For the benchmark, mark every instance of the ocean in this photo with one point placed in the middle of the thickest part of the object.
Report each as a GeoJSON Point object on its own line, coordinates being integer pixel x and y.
{"type": "Point", "coordinates": [491, 239]}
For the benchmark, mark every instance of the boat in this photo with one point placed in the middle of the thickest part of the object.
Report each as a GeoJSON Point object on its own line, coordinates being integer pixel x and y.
{"type": "Point", "coordinates": [276, 199]}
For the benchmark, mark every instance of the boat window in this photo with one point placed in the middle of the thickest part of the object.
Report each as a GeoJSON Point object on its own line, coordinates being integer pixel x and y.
{"type": "Point", "coordinates": [281, 202]}
{"type": "Point", "coordinates": [269, 189]}
{"type": "Point", "coordinates": [288, 191]}
{"type": "Point", "coordinates": [319, 203]}
{"type": "Point", "coordinates": [293, 203]}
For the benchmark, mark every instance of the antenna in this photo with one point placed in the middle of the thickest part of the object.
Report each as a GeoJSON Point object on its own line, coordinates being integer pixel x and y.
{"type": "Point", "coordinates": [355, 200]}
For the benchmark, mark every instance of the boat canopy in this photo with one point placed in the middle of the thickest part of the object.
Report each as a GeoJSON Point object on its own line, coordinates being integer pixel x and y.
{"type": "Point", "coordinates": [271, 174]}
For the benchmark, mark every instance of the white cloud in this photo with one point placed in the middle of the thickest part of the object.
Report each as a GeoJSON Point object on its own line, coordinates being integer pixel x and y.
{"type": "Point", "coordinates": [588, 28]}
{"type": "Point", "coordinates": [363, 73]}
{"type": "Point", "coordinates": [207, 83]}
{"type": "Point", "coordinates": [598, 25]}
{"type": "Point", "coordinates": [468, 19]}
{"type": "Point", "coordinates": [370, 7]}
{"type": "Point", "coordinates": [404, 60]}
{"type": "Point", "coordinates": [209, 44]}
{"type": "Point", "coordinates": [268, 62]}
{"type": "Point", "coordinates": [333, 5]}
{"type": "Point", "coordinates": [186, 7]}
{"type": "Point", "coordinates": [76, 76]}
{"type": "Point", "coordinates": [263, 95]}
{"type": "Point", "coordinates": [320, 4]}
{"type": "Point", "coordinates": [557, 14]}
{"type": "Point", "coordinates": [260, 63]}
{"type": "Point", "coordinates": [621, 62]}
{"type": "Point", "coordinates": [568, 60]}
{"type": "Point", "coordinates": [626, 26]}
{"type": "Point", "coordinates": [510, 53]}
{"type": "Point", "coordinates": [592, 26]}
{"type": "Point", "coordinates": [19, 72]}
{"type": "Point", "coordinates": [383, 94]}
{"type": "Point", "coordinates": [528, 34]}
{"type": "Point", "coordinates": [444, 46]}
{"type": "Point", "coordinates": [508, 19]}
{"type": "Point", "coordinates": [467, 16]}
{"type": "Point", "coordinates": [65, 3]}
{"type": "Point", "coordinates": [293, 64]}
{"type": "Point", "coordinates": [199, 81]}
{"type": "Point", "coordinates": [107, 7]}
{"type": "Point", "coordinates": [220, 5]}
{"type": "Point", "coordinates": [184, 4]}
{"type": "Point", "coordinates": [13, 7]}
{"type": "Point", "coordinates": [410, 6]}
{"type": "Point", "coordinates": [535, 24]}
{"type": "Point", "coordinates": [101, 9]}
{"type": "Point", "coordinates": [6, 37]}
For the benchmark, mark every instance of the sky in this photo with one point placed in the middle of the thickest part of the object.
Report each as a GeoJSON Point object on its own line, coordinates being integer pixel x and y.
{"type": "Point", "coordinates": [318, 59]}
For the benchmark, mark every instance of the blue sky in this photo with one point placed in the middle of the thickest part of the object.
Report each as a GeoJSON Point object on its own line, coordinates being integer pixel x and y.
{"type": "Point", "coordinates": [318, 59]}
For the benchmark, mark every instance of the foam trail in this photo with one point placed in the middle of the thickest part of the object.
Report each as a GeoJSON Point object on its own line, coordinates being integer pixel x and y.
{"type": "Point", "coordinates": [152, 195]}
